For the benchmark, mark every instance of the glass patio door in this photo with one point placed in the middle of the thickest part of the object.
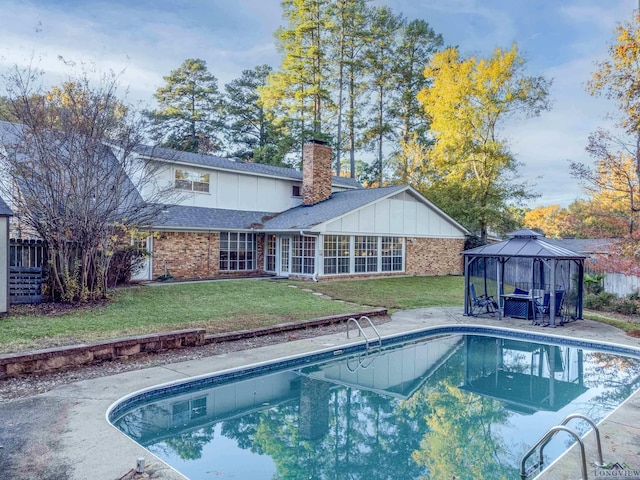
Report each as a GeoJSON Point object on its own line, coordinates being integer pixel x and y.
{"type": "Point", "coordinates": [284, 265]}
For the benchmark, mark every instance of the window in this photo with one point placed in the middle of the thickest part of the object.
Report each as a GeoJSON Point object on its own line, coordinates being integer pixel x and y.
{"type": "Point", "coordinates": [191, 181]}
{"type": "Point", "coordinates": [344, 254]}
{"type": "Point", "coordinates": [183, 412]}
{"type": "Point", "coordinates": [365, 254]}
{"type": "Point", "coordinates": [303, 255]}
{"type": "Point", "coordinates": [391, 254]}
{"type": "Point", "coordinates": [337, 254]}
{"type": "Point", "coordinates": [296, 191]}
{"type": "Point", "coordinates": [270, 253]}
{"type": "Point", "coordinates": [237, 251]}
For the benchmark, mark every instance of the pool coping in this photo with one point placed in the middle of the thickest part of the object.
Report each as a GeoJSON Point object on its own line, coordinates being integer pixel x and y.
{"type": "Point", "coordinates": [84, 442]}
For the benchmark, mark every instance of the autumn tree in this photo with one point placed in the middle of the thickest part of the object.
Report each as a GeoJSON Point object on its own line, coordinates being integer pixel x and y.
{"type": "Point", "coordinates": [613, 182]}
{"type": "Point", "coordinates": [548, 219]}
{"type": "Point", "coordinates": [473, 174]}
{"type": "Point", "coordinates": [251, 131]}
{"type": "Point", "coordinates": [72, 176]}
{"type": "Point", "coordinates": [189, 110]}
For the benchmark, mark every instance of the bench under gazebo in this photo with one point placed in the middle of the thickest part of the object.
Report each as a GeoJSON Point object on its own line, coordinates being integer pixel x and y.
{"type": "Point", "coordinates": [526, 276]}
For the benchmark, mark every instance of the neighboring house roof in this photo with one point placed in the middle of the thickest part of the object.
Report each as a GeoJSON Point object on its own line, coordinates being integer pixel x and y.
{"type": "Point", "coordinates": [203, 218]}
{"type": "Point", "coordinates": [524, 243]}
{"type": "Point", "coordinates": [586, 245]}
{"type": "Point", "coordinates": [221, 163]}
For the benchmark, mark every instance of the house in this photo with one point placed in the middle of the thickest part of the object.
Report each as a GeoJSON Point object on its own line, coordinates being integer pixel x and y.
{"type": "Point", "coordinates": [234, 218]}
{"type": "Point", "coordinates": [240, 218]}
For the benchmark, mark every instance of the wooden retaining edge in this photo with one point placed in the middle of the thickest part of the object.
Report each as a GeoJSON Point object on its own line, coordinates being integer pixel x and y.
{"type": "Point", "coordinates": [58, 358]}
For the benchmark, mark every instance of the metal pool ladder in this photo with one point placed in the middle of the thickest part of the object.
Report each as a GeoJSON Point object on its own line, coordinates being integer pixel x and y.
{"type": "Point", "coordinates": [546, 438]}
{"type": "Point", "coordinates": [361, 331]}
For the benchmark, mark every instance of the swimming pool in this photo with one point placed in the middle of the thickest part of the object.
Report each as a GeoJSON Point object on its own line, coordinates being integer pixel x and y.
{"type": "Point", "coordinates": [452, 403]}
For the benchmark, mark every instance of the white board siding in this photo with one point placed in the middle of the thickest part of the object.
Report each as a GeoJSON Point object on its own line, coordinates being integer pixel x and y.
{"type": "Point", "coordinates": [234, 191]}
{"type": "Point", "coordinates": [401, 215]}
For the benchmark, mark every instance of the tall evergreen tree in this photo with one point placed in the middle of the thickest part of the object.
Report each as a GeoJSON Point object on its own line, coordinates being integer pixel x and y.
{"type": "Point", "coordinates": [350, 27]}
{"type": "Point", "coordinates": [250, 131]}
{"type": "Point", "coordinates": [300, 87]}
{"type": "Point", "coordinates": [189, 110]}
{"type": "Point", "coordinates": [416, 45]}
{"type": "Point", "coordinates": [382, 47]}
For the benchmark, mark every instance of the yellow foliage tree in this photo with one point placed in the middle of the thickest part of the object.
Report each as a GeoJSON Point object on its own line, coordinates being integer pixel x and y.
{"type": "Point", "coordinates": [549, 219]}
{"type": "Point", "coordinates": [468, 102]}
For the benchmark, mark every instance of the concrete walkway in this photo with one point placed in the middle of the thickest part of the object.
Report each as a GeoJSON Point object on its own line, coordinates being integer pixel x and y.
{"type": "Point", "coordinates": [63, 434]}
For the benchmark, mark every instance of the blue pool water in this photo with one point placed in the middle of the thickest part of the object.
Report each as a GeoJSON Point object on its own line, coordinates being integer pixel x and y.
{"type": "Point", "coordinates": [448, 406]}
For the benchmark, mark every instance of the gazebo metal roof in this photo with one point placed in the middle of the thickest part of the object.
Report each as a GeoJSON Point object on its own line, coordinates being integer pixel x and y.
{"type": "Point", "coordinates": [524, 243]}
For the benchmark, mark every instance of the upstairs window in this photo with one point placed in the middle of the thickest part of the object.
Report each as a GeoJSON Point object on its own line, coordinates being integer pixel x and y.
{"type": "Point", "coordinates": [296, 191]}
{"type": "Point", "coordinates": [191, 181]}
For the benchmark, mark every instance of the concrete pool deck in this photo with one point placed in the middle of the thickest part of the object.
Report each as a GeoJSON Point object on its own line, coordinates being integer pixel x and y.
{"type": "Point", "coordinates": [63, 433]}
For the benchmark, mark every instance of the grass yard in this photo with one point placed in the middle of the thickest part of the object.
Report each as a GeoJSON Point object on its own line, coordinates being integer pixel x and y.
{"type": "Point", "coordinates": [396, 292]}
{"type": "Point", "coordinates": [219, 307]}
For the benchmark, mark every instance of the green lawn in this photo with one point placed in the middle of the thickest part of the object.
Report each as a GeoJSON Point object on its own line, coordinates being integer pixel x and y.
{"type": "Point", "coordinates": [397, 292]}
{"type": "Point", "coordinates": [220, 307]}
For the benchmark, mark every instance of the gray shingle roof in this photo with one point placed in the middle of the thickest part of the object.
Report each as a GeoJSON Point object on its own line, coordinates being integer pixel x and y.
{"type": "Point", "coordinates": [196, 218]}
{"type": "Point", "coordinates": [213, 161]}
{"type": "Point", "coordinates": [5, 211]}
{"type": "Point", "coordinates": [297, 218]}
{"type": "Point", "coordinates": [340, 203]}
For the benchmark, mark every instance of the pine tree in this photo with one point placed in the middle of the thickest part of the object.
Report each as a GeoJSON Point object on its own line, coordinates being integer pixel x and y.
{"type": "Point", "coordinates": [189, 110]}
{"type": "Point", "coordinates": [417, 44]}
{"type": "Point", "coordinates": [250, 131]}
{"type": "Point", "coordinates": [299, 90]}
{"type": "Point", "coordinates": [350, 18]}
{"type": "Point", "coordinates": [382, 47]}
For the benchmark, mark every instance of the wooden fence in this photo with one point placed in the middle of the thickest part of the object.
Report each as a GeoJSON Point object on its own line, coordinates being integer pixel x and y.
{"type": "Point", "coordinates": [26, 261]}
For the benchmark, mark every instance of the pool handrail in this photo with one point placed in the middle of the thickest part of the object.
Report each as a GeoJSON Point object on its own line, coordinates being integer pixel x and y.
{"type": "Point", "coordinates": [544, 440]}
{"type": "Point", "coordinates": [361, 331]}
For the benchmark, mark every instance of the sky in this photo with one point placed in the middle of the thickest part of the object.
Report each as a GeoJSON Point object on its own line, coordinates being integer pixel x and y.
{"type": "Point", "coordinates": [143, 40]}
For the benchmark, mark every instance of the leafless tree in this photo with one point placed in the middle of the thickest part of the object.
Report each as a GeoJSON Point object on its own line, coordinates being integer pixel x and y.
{"type": "Point", "coordinates": [72, 176]}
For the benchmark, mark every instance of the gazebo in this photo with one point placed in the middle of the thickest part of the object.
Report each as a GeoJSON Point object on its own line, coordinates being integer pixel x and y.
{"type": "Point", "coordinates": [527, 266]}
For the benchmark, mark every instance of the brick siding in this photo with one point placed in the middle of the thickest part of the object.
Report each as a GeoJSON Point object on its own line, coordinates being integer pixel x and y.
{"type": "Point", "coordinates": [434, 256]}
{"type": "Point", "coordinates": [316, 173]}
{"type": "Point", "coordinates": [195, 256]}
{"type": "Point", "coordinates": [186, 255]}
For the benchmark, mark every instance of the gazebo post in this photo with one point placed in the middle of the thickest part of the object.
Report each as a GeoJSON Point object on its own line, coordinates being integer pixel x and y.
{"type": "Point", "coordinates": [500, 282]}
{"type": "Point", "coordinates": [552, 293]}
{"type": "Point", "coordinates": [580, 288]}
{"type": "Point", "coordinates": [467, 261]}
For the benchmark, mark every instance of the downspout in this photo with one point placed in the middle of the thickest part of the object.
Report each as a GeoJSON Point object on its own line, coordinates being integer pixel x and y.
{"type": "Point", "coordinates": [314, 277]}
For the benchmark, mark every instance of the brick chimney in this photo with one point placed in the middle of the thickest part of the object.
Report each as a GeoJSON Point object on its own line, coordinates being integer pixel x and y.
{"type": "Point", "coordinates": [316, 172]}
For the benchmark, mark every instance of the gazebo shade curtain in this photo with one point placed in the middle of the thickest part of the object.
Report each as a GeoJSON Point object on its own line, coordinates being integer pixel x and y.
{"type": "Point", "coordinates": [529, 262]}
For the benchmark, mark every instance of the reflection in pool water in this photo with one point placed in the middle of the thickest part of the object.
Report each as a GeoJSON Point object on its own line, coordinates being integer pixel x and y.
{"type": "Point", "coordinates": [454, 406]}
